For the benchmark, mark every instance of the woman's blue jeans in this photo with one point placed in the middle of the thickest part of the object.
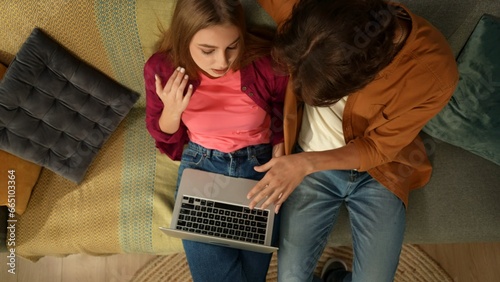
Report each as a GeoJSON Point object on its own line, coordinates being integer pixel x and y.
{"type": "Point", "coordinates": [308, 216]}
{"type": "Point", "coordinates": [215, 263]}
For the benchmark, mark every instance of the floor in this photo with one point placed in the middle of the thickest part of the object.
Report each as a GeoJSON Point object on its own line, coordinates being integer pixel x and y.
{"type": "Point", "coordinates": [464, 263]}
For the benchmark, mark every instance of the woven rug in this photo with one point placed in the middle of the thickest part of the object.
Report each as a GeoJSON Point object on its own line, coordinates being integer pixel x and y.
{"type": "Point", "coordinates": [414, 266]}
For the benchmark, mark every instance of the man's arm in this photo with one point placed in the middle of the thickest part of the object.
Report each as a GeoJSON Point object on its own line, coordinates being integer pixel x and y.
{"type": "Point", "coordinates": [279, 10]}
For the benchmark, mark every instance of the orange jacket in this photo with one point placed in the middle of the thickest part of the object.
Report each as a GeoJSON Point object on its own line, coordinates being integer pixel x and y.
{"type": "Point", "coordinates": [384, 119]}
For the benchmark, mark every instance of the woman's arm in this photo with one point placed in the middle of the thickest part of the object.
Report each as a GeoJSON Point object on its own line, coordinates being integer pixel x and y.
{"type": "Point", "coordinates": [174, 100]}
{"type": "Point", "coordinates": [170, 144]}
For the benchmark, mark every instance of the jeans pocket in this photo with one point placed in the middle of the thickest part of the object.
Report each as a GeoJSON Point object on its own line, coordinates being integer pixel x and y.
{"type": "Point", "coordinates": [192, 157]}
{"type": "Point", "coordinates": [260, 159]}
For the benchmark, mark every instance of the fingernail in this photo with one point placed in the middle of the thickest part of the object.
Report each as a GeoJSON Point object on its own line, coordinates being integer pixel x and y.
{"type": "Point", "coordinates": [156, 76]}
{"type": "Point", "coordinates": [182, 70]}
{"type": "Point", "coordinates": [178, 69]}
{"type": "Point", "coordinates": [186, 76]}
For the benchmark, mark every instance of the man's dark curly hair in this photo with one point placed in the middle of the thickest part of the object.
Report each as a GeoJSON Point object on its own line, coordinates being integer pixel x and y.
{"type": "Point", "coordinates": [333, 48]}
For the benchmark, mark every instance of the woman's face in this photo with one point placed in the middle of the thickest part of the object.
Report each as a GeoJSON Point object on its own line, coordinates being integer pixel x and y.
{"type": "Point", "coordinates": [215, 48]}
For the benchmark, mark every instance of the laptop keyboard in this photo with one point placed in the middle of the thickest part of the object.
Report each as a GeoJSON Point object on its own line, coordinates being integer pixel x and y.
{"type": "Point", "coordinates": [223, 220]}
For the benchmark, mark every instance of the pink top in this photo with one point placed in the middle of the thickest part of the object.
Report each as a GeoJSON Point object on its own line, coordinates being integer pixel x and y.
{"type": "Point", "coordinates": [220, 116]}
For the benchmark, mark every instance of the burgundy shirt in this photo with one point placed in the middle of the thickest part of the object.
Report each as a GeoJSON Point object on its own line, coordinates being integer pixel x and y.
{"type": "Point", "coordinates": [258, 80]}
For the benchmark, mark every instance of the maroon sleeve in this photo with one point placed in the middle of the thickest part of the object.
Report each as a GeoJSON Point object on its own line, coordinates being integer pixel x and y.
{"type": "Point", "coordinates": [170, 144]}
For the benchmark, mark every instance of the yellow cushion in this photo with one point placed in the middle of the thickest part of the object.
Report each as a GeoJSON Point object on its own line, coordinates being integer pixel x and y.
{"type": "Point", "coordinates": [23, 177]}
{"type": "Point", "coordinates": [3, 69]}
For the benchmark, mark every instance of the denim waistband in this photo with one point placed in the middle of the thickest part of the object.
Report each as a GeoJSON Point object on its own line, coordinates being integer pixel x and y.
{"type": "Point", "coordinates": [249, 151]}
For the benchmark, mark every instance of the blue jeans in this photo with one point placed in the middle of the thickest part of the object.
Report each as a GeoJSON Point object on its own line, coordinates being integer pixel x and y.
{"type": "Point", "coordinates": [215, 263]}
{"type": "Point", "coordinates": [308, 216]}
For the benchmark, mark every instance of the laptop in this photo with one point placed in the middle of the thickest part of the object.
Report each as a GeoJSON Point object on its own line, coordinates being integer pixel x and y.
{"type": "Point", "coordinates": [213, 208]}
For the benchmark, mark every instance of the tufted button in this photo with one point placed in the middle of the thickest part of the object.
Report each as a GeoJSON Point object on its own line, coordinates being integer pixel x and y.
{"type": "Point", "coordinates": [250, 94]}
{"type": "Point", "coordinates": [244, 88]}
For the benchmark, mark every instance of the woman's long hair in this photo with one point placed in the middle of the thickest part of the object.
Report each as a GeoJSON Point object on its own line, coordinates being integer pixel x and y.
{"type": "Point", "coordinates": [191, 16]}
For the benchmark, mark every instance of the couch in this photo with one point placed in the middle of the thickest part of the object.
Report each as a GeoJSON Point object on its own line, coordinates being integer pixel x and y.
{"type": "Point", "coordinates": [127, 192]}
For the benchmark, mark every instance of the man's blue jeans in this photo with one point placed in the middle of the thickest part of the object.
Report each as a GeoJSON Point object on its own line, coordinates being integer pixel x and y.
{"type": "Point", "coordinates": [308, 216]}
{"type": "Point", "coordinates": [215, 263]}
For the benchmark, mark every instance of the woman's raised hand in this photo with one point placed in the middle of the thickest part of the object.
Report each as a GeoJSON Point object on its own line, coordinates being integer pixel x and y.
{"type": "Point", "coordinates": [173, 98]}
{"type": "Point", "coordinates": [172, 95]}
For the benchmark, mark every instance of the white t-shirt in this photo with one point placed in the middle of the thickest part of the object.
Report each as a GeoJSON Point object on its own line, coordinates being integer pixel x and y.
{"type": "Point", "coordinates": [322, 127]}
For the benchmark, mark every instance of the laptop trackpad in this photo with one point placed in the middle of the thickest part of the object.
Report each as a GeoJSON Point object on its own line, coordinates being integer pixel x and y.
{"type": "Point", "coordinates": [219, 244]}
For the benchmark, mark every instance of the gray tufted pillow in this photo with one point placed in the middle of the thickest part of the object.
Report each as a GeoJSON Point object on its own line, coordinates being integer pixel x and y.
{"type": "Point", "coordinates": [56, 110]}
